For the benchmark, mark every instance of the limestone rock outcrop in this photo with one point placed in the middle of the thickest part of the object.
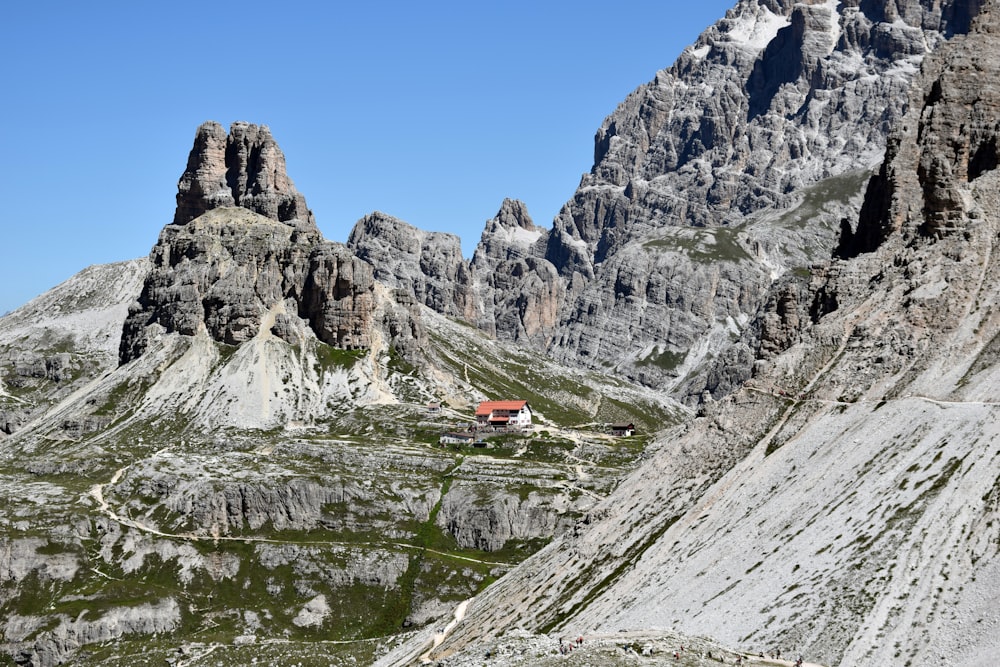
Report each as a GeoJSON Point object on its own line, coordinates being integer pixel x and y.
{"type": "Point", "coordinates": [508, 289]}
{"type": "Point", "coordinates": [773, 98]}
{"type": "Point", "coordinates": [243, 251]}
{"type": "Point", "coordinates": [518, 291]}
{"type": "Point", "coordinates": [940, 147]}
{"type": "Point", "coordinates": [245, 168]}
{"type": "Point", "coordinates": [427, 264]}
{"type": "Point", "coordinates": [58, 646]}
{"type": "Point", "coordinates": [489, 525]}
{"type": "Point", "coordinates": [226, 269]}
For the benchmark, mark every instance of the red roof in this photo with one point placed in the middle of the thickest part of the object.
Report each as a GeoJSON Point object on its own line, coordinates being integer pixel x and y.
{"type": "Point", "coordinates": [487, 407]}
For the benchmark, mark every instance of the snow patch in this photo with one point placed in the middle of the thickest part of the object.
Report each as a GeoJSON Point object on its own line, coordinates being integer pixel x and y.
{"type": "Point", "coordinates": [757, 31]}
{"type": "Point", "coordinates": [700, 52]}
{"type": "Point", "coordinates": [522, 236]}
{"type": "Point", "coordinates": [835, 29]}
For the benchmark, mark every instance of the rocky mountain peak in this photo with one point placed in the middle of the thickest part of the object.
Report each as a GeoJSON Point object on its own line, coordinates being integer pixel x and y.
{"type": "Point", "coordinates": [514, 213]}
{"type": "Point", "coordinates": [377, 225]}
{"type": "Point", "coordinates": [517, 289]}
{"type": "Point", "coordinates": [511, 233]}
{"type": "Point", "coordinates": [703, 179]}
{"type": "Point", "coordinates": [729, 170]}
{"type": "Point", "coordinates": [245, 168]}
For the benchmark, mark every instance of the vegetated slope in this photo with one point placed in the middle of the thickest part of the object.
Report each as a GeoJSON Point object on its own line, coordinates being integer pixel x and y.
{"type": "Point", "coordinates": [179, 517]}
{"type": "Point", "coordinates": [843, 504]}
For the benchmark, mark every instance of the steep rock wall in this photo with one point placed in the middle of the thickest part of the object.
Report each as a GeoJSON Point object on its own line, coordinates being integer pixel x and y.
{"type": "Point", "coordinates": [428, 264]}
{"type": "Point", "coordinates": [227, 268]}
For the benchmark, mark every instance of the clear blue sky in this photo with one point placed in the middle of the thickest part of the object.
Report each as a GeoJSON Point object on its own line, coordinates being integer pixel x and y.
{"type": "Point", "coordinates": [430, 111]}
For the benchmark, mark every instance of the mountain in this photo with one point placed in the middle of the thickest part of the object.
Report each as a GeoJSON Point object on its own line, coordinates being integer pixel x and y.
{"type": "Point", "coordinates": [842, 504]}
{"type": "Point", "coordinates": [64, 338]}
{"type": "Point", "coordinates": [778, 111]}
{"type": "Point", "coordinates": [731, 169]}
{"type": "Point", "coordinates": [227, 447]}
{"type": "Point", "coordinates": [232, 451]}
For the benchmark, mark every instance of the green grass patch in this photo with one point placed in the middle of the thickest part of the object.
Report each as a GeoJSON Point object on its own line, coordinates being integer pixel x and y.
{"type": "Point", "coordinates": [333, 358]}
{"type": "Point", "coordinates": [122, 398]}
{"type": "Point", "coordinates": [666, 360]}
{"type": "Point", "coordinates": [816, 198]}
{"type": "Point", "coordinates": [225, 351]}
{"type": "Point", "coordinates": [711, 244]}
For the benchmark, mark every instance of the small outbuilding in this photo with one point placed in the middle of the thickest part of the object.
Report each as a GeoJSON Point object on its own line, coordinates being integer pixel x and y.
{"type": "Point", "coordinates": [457, 439]}
{"type": "Point", "coordinates": [622, 430]}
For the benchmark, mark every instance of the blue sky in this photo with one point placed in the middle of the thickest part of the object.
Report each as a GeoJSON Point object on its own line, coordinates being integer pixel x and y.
{"type": "Point", "coordinates": [431, 112]}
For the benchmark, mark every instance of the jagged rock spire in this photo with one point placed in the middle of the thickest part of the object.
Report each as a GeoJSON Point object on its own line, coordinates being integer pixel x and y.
{"type": "Point", "coordinates": [245, 168]}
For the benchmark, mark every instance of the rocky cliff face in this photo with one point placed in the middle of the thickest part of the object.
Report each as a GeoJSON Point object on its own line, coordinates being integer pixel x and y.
{"type": "Point", "coordinates": [252, 250]}
{"type": "Point", "coordinates": [427, 264]}
{"type": "Point", "coordinates": [517, 290]}
{"type": "Point", "coordinates": [730, 169]}
{"type": "Point", "coordinates": [775, 97]}
{"type": "Point", "coordinates": [228, 268]}
{"type": "Point", "coordinates": [937, 152]}
{"type": "Point", "coordinates": [508, 289]}
{"type": "Point", "coordinates": [60, 645]}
